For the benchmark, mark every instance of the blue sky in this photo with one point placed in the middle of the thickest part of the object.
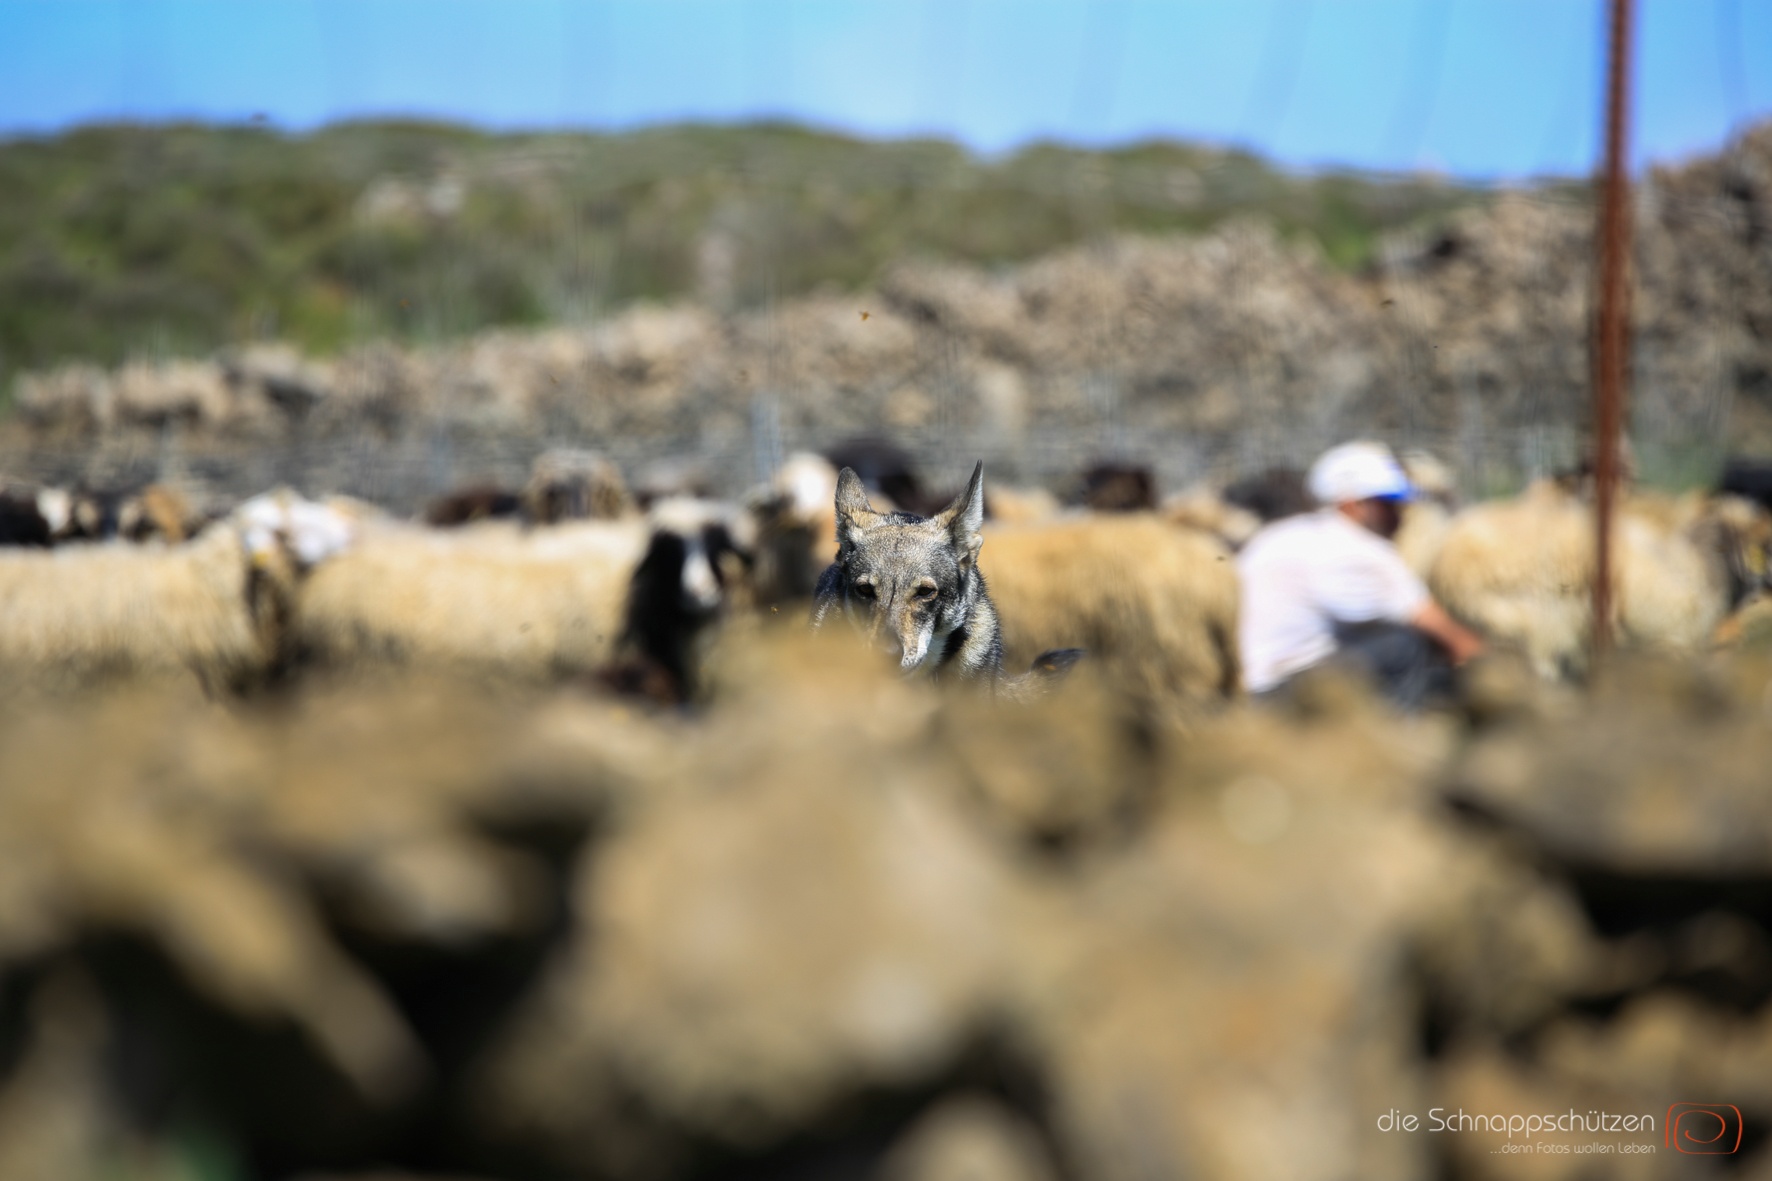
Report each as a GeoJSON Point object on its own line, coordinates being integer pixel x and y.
{"type": "Point", "coordinates": [1480, 88]}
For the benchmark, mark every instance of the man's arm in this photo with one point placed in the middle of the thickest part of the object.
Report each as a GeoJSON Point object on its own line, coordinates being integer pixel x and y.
{"type": "Point", "coordinates": [1460, 642]}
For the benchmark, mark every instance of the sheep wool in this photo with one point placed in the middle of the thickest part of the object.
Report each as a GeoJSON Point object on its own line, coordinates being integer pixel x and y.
{"type": "Point", "coordinates": [490, 597]}
{"type": "Point", "coordinates": [206, 608]}
{"type": "Point", "coordinates": [1520, 570]}
{"type": "Point", "coordinates": [1204, 510]}
{"type": "Point", "coordinates": [1424, 528]}
{"type": "Point", "coordinates": [1156, 605]}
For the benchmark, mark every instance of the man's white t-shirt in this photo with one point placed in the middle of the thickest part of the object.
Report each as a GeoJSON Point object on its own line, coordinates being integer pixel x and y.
{"type": "Point", "coordinates": [1302, 576]}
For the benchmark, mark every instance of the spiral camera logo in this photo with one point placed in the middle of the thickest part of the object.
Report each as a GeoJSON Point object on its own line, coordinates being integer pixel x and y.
{"type": "Point", "coordinates": [1710, 1129]}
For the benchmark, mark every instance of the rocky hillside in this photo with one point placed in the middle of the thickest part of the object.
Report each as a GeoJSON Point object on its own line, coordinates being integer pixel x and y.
{"type": "Point", "coordinates": [1195, 352]}
{"type": "Point", "coordinates": [125, 240]}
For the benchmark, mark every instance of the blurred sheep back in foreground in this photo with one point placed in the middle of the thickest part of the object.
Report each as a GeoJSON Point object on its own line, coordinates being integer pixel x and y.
{"type": "Point", "coordinates": [845, 924]}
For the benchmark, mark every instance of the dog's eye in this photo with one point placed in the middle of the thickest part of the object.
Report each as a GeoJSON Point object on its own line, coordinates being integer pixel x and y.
{"type": "Point", "coordinates": [865, 590]}
{"type": "Point", "coordinates": [924, 593]}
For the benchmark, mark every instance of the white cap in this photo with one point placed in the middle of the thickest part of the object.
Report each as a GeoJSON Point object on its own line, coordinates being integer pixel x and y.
{"type": "Point", "coordinates": [1358, 471]}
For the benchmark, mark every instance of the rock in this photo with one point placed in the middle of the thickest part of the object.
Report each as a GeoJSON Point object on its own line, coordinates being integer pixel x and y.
{"type": "Point", "coordinates": [802, 918]}
{"type": "Point", "coordinates": [279, 378]}
{"type": "Point", "coordinates": [1662, 1044]}
{"type": "Point", "coordinates": [54, 1118]}
{"type": "Point", "coordinates": [219, 873]}
{"type": "Point", "coordinates": [1508, 946]}
{"type": "Point", "coordinates": [1612, 787]}
{"type": "Point", "coordinates": [1190, 346]}
{"type": "Point", "coordinates": [1231, 999]}
{"type": "Point", "coordinates": [835, 921]}
{"type": "Point", "coordinates": [1479, 1091]}
{"type": "Point", "coordinates": [1068, 771]}
{"type": "Point", "coordinates": [970, 1138]}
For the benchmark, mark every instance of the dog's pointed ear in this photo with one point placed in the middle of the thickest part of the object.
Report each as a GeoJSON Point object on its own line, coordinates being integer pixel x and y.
{"type": "Point", "coordinates": [965, 517]}
{"type": "Point", "coordinates": [853, 509]}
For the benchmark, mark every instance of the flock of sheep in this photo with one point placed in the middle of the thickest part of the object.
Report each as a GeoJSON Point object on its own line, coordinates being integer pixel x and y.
{"type": "Point", "coordinates": [576, 577]}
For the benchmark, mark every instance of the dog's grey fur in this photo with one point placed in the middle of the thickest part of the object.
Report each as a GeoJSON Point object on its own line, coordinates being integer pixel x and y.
{"type": "Point", "coordinates": [912, 583]}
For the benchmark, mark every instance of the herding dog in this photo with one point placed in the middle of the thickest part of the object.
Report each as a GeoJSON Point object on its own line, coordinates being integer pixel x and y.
{"type": "Point", "coordinates": [913, 586]}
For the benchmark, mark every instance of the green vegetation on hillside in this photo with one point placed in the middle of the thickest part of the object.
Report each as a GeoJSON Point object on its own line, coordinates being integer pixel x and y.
{"type": "Point", "coordinates": [132, 240]}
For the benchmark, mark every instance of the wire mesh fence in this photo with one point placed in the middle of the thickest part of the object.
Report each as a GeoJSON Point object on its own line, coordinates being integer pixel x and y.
{"type": "Point", "coordinates": [403, 474]}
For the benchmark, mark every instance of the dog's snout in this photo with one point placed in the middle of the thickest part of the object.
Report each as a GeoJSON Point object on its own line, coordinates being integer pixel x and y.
{"type": "Point", "coordinates": [913, 641]}
{"type": "Point", "coordinates": [887, 640]}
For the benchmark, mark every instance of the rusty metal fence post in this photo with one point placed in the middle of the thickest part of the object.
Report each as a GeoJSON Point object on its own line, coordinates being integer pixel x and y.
{"type": "Point", "coordinates": [1613, 326]}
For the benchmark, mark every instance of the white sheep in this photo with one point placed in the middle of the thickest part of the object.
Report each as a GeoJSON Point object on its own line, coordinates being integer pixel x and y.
{"type": "Point", "coordinates": [568, 484]}
{"type": "Point", "coordinates": [1154, 606]}
{"type": "Point", "coordinates": [1521, 570]}
{"type": "Point", "coordinates": [1428, 516]}
{"type": "Point", "coordinates": [213, 607]}
{"type": "Point", "coordinates": [1202, 509]}
{"type": "Point", "coordinates": [531, 603]}
{"type": "Point", "coordinates": [489, 597]}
